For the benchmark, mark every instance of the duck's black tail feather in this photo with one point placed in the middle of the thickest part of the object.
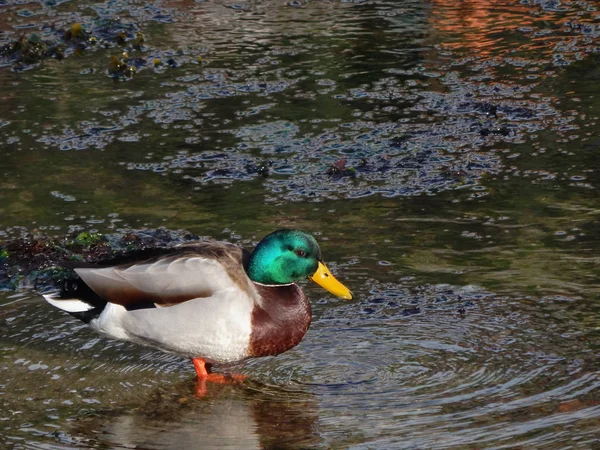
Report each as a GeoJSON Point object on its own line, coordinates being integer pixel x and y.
{"type": "Point", "coordinates": [78, 299]}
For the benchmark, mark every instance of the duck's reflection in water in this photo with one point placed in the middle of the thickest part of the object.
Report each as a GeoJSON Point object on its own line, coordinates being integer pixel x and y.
{"type": "Point", "coordinates": [242, 416]}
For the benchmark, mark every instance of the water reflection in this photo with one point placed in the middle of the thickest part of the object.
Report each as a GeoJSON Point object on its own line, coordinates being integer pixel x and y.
{"type": "Point", "coordinates": [245, 416]}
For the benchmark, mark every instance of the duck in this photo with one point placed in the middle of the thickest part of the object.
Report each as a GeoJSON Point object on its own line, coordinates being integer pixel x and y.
{"type": "Point", "coordinates": [209, 301]}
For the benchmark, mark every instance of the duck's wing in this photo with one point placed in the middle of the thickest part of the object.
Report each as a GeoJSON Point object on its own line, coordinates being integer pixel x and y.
{"type": "Point", "coordinates": [194, 270]}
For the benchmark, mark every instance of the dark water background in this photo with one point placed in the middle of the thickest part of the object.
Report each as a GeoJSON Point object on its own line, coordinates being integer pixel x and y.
{"type": "Point", "coordinates": [444, 153]}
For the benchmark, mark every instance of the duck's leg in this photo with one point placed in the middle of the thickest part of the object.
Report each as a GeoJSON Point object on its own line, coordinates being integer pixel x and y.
{"type": "Point", "coordinates": [204, 373]}
{"type": "Point", "coordinates": [202, 368]}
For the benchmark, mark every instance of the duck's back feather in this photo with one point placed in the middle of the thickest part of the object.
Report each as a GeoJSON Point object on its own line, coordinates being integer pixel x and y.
{"type": "Point", "coordinates": [154, 277]}
{"type": "Point", "coordinates": [164, 282]}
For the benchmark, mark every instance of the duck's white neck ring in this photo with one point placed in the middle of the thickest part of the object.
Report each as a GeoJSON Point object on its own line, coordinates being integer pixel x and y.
{"type": "Point", "coordinates": [272, 285]}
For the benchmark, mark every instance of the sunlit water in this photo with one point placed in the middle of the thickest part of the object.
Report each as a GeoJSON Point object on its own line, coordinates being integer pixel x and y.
{"type": "Point", "coordinates": [464, 217]}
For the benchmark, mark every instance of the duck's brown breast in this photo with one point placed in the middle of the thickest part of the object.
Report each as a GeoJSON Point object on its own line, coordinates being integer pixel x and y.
{"type": "Point", "coordinates": [280, 322]}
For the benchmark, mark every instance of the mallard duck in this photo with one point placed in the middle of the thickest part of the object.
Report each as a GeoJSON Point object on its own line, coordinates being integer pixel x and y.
{"type": "Point", "coordinates": [209, 301]}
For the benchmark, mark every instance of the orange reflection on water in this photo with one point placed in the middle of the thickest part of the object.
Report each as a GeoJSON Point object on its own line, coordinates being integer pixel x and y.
{"type": "Point", "coordinates": [481, 25]}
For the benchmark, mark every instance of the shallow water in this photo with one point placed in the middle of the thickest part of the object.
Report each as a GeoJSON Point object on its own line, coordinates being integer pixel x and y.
{"type": "Point", "coordinates": [443, 153]}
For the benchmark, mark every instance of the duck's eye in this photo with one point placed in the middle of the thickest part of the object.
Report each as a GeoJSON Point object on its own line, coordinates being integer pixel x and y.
{"type": "Point", "coordinates": [301, 253]}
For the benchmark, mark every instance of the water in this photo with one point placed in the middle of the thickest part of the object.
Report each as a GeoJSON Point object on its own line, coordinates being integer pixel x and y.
{"type": "Point", "coordinates": [443, 153]}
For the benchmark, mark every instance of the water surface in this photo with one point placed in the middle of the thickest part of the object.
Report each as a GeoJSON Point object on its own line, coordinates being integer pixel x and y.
{"type": "Point", "coordinates": [443, 153]}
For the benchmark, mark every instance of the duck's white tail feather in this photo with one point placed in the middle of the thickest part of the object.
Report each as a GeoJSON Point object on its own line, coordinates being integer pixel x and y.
{"type": "Point", "coordinates": [71, 305]}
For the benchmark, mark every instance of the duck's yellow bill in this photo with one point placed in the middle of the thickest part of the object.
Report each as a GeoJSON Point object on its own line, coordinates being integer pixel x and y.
{"type": "Point", "coordinates": [327, 281]}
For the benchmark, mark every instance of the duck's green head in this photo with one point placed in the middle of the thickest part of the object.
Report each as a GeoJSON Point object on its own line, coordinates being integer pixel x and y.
{"type": "Point", "coordinates": [285, 256]}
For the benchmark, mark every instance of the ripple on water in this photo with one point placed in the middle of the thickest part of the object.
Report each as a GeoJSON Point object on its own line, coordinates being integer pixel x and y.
{"type": "Point", "coordinates": [406, 365]}
{"type": "Point", "coordinates": [460, 359]}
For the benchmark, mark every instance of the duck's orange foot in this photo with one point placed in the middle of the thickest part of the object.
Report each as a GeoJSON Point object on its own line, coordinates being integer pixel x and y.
{"type": "Point", "coordinates": [225, 378]}
{"type": "Point", "coordinates": [205, 376]}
